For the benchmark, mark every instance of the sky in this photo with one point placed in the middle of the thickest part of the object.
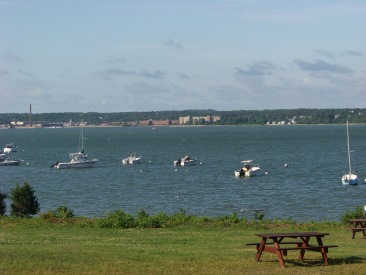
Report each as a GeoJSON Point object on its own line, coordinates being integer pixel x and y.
{"type": "Point", "coordinates": [159, 55]}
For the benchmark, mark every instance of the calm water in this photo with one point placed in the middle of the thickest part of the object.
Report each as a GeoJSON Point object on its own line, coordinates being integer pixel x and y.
{"type": "Point", "coordinates": [308, 189]}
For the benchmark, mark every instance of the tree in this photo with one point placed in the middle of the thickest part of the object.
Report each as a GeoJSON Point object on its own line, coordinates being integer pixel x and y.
{"type": "Point", "coordinates": [2, 204]}
{"type": "Point", "coordinates": [24, 202]}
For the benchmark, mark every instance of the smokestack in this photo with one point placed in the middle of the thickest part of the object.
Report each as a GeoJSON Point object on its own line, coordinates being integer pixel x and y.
{"type": "Point", "coordinates": [30, 115]}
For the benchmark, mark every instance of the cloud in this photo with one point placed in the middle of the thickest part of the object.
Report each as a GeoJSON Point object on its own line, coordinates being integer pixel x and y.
{"type": "Point", "coordinates": [249, 72]}
{"type": "Point", "coordinates": [259, 68]}
{"type": "Point", "coordinates": [116, 72]}
{"type": "Point", "coordinates": [25, 73]}
{"type": "Point", "coordinates": [172, 44]}
{"type": "Point", "coordinates": [155, 74]}
{"type": "Point", "coordinates": [182, 76]}
{"type": "Point", "coordinates": [34, 84]}
{"type": "Point", "coordinates": [111, 73]}
{"type": "Point", "coordinates": [116, 60]}
{"type": "Point", "coordinates": [3, 71]}
{"type": "Point", "coordinates": [320, 65]}
{"type": "Point", "coordinates": [324, 53]}
{"type": "Point", "coordinates": [352, 53]}
{"type": "Point", "coordinates": [11, 56]}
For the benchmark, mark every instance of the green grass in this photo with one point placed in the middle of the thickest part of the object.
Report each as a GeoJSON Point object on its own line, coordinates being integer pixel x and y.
{"type": "Point", "coordinates": [33, 246]}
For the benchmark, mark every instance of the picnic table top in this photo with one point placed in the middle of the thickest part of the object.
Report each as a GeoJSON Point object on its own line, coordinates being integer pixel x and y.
{"type": "Point", "coordinates": [291, 235]}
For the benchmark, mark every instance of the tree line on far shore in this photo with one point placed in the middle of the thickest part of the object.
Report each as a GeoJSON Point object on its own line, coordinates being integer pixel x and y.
{"type": "Point", "coordinates": [239, 117]}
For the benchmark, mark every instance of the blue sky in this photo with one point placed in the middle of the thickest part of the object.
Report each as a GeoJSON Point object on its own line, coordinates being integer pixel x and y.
{"type": "Point", "coordinates": [153, 55]}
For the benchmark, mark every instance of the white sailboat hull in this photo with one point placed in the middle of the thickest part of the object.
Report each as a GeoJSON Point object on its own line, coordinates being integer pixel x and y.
{"type": "Point", "coordinates": [81, 164]}
{"type": "Point", "coordinates": [76, 160]}
{"type": "Point", "coordinates": [349, 179]}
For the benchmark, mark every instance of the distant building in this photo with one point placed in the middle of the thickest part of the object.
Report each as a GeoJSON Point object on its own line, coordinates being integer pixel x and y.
{"type": "Point", "coordinates": [160, 122]}
{"type": "Point", "coordinates": [144, 122]}
{"type": "Point", "coordinates": [185, 120]}
{"type": "Point", "coordinates": [195, 120]}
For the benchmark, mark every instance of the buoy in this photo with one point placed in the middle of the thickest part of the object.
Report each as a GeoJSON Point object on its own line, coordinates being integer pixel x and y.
{"type": "Point", "coordinates": [286, 165]}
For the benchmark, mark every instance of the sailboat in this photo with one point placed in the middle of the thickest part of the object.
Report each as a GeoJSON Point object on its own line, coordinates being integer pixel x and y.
{"type": "Point", "coordinates": [77, 160]}
{"type": "Point", "coordinates": [349, 178]}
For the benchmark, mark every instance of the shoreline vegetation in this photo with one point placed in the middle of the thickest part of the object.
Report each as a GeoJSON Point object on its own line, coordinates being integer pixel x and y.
{"type": "Point", "coordinates": [190, 117]}
{"type": "Point", "coordinates": [57, 242]}
{"type": "Point", "coordinates": [158, 126]}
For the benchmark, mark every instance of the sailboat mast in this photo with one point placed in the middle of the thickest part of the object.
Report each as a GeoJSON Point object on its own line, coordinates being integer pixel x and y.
{"type": "Point", "coordinates": [82, 138]}
{"type": "Point", "coordinates": [349, 153]}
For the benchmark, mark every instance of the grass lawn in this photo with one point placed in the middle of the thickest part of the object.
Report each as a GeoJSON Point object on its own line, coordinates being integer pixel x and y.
{"type": "Point", "coordinates": [45, 248]}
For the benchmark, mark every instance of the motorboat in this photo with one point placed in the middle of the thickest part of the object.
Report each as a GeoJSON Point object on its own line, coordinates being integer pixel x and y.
{"type": "Point", "coordinates": [186, 161]}
{"type": "Point", "coordinates": [10, 147]}
{"type": "Point", "coordinates": [349, 178]}
{"type": "Point", "coordinates": [10, 162]}
{"type": "Point", "coordinates": [131, 159]}
{"type": "Point", "coordinates": [6, 161]}
{"type": "Point", "coordinates": [77, 160]}
{"type": "Point", "coordinates": [248, 170]}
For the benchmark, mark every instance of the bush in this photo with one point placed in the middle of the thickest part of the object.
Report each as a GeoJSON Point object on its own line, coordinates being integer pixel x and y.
{"type": "Point", "coordinates": [352, 214]}
{"type": "Point", "coordinates": [144, 220]}
{"type": "Point", "coordinates": [2, 204]}
{"type": "Point", "coordinates": [117, 219]}
{"type": "Point", "coordinates": [62, 212]}
{"type": "Point", "coordinates": [24, 202]}
{"type": "Point", "coordinates": [181, 218]}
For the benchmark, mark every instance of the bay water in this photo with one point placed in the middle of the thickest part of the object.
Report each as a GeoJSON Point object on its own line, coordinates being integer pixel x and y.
{"type": "Point", "coordinates": [309, 188]}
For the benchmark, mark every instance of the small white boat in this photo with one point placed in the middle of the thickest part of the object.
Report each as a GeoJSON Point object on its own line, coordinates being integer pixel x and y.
{"type": "Point", "coordinates": [10, 147]}
{"type": "Point", "coordinates": [6, 161]}
{"type": "Point", "coordinates": [349, 178]}
{"type": "Point", "coordinates": [248, 169]}
{"type": "Point", "coordinates": [186, 161]}
{"type": "Point", "coordinates": [131, 159]}
{"type": "Point", "coordinates": [76, 160]}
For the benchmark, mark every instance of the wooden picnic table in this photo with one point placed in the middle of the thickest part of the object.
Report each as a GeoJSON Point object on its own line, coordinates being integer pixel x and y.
{"type": "Point", "coordinates": [279, 244]}
{"type": "Point", "coordinates": [359, 225]}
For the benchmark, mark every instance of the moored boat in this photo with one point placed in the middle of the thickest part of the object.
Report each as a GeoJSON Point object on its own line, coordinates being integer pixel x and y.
{"type": "Point", "coordinates": [248, 170]}
{"type": "Point", "coordinates": [186, 161]}
{"type": "Point", "coordinates": [6, 161]}
{"type": "Point", "coordinates": [349, 178]}
{"type": "Point", "coordinates": [10, 147]}
{"type": "Point", "coordinates": [77, 160]}
{"type": "Point", "coordinates": [131, 159]}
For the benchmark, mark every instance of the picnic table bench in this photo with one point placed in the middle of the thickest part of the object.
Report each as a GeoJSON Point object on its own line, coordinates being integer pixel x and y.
{"type": "Point", "coordinates": [278, 246]}
{"type": "Point", "coordinates": [359, 225]}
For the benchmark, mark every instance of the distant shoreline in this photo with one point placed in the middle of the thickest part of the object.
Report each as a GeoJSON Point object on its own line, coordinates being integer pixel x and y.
{"type": "Point", "coordinates": [178, 126]}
